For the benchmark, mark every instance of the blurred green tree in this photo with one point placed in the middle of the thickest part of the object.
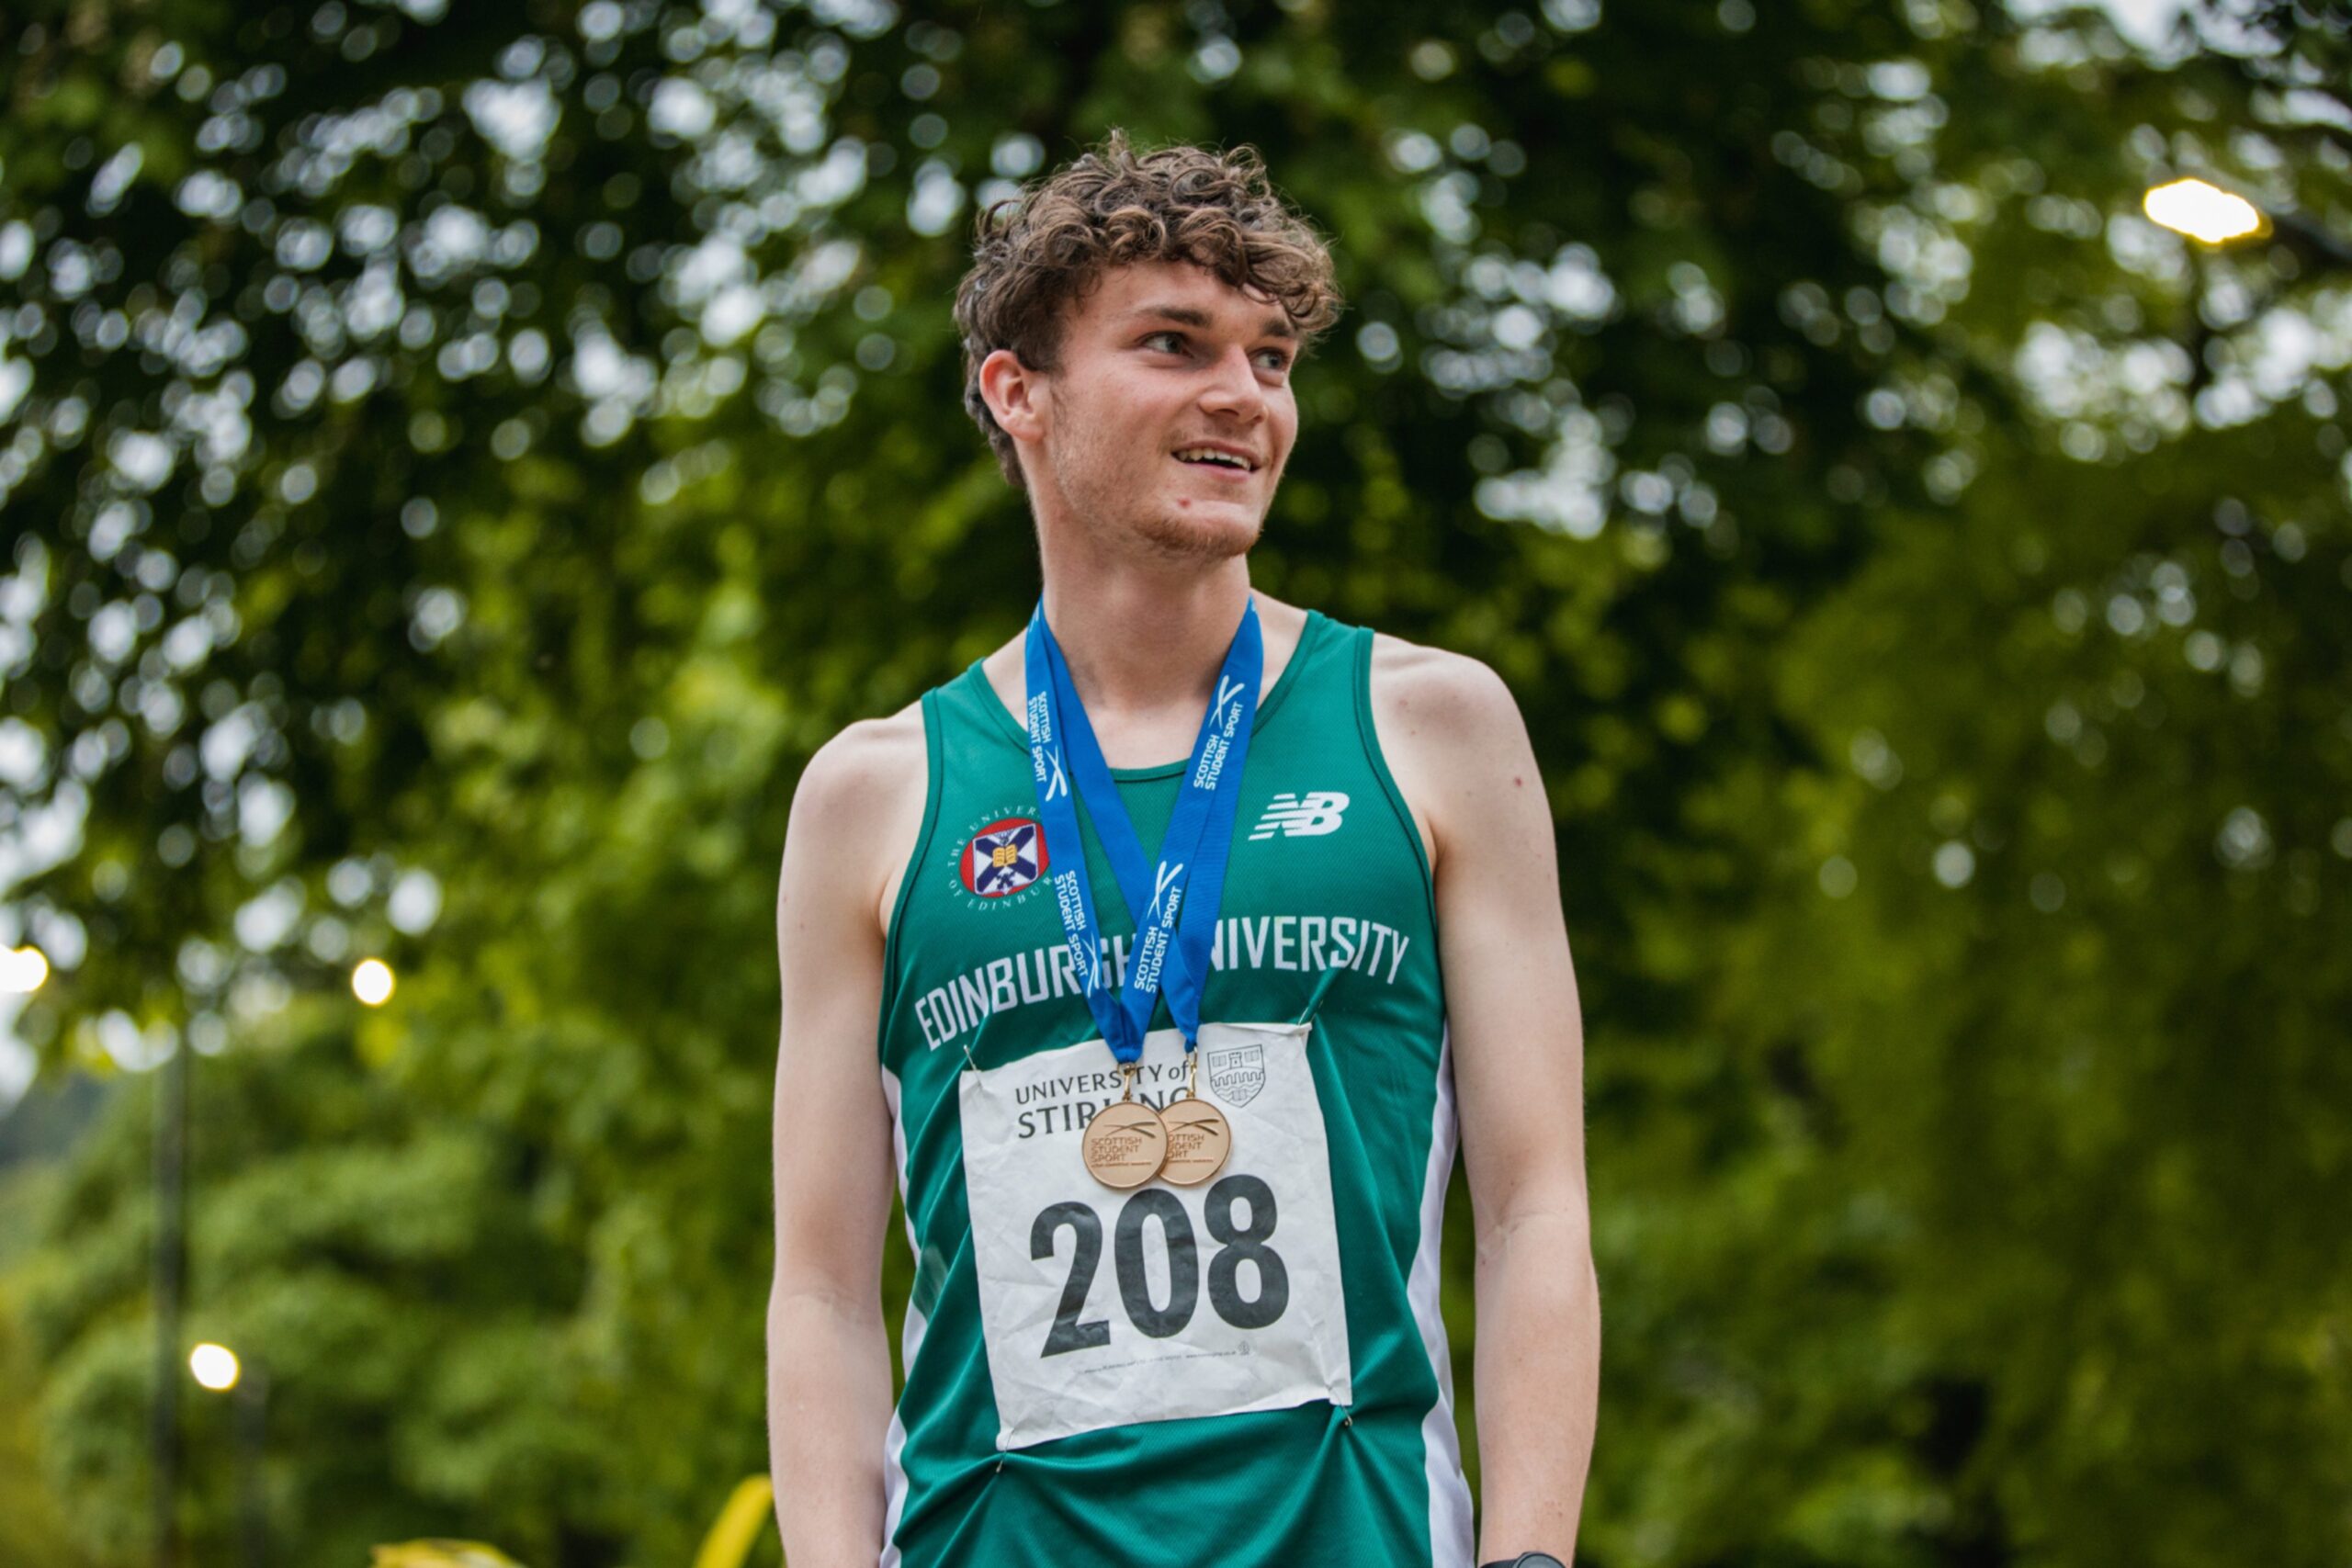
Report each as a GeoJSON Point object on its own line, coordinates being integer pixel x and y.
{"type": "Point", "coordinates": [378, 1256]}
{"type": "Point", "coordinates": [458, 466]}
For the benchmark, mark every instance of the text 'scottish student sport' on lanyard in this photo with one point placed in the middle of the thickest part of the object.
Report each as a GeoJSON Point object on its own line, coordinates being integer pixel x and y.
{"type": "Point", "coordinates": [1174, 905]}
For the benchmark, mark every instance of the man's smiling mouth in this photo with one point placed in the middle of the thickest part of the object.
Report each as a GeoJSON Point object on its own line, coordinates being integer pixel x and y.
{"type": "Point", "coordinates": [1210, 457]}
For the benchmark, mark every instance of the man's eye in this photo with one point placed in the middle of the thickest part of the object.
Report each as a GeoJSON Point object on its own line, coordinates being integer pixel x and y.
{"type": "Point", "coordinates": [1177, 338]}
{"type": "Point", "coordinates": [1279, 359]}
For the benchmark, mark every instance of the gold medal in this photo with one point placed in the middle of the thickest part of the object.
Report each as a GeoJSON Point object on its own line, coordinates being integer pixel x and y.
{"type": "Point", "coordinates": [1199, 1137]}
{"type": "Point", "coordinates": [1123, 1145]}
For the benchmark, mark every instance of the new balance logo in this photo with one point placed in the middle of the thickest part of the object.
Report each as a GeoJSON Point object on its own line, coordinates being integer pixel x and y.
{"type": "Point", "coordinates": [1301, 816]}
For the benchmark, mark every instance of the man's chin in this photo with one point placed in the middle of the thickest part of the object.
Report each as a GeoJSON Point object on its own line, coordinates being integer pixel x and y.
{"type": "Point", "coordinates": [1226, 533]}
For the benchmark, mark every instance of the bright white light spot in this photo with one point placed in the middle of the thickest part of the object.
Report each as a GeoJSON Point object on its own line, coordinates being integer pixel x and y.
{"type": "Point", "coordinates": [453, 237]}
{"type": "Point", "coordinates": [22, 969]}
{"type": "Point", "coordinates": [1517, 327]}
{"type": "Point", "coordinates": [516, 117]}
{"type": "Point", "coordinates": [1955, 863]}
{"type": "Point", "coordinates": [1577, 287]}
{"type": "Point", "coordinates": [264, 807]}
{"type": "Point", "coordinates": [2202, 211]}
{"type": "Point", "coordinates": [1898, 80]}
{"type": "Point", "coordinates": [267, 919]}
{"type": "Point", "coordinates": [215, 1366]}
{"type": "Point", "coordinates": [15, 380]}
{"type": "Point", "coordinates": [372, 981]}
{"type": "Point", "coordinates": [733, 311]}
{"type": "Point", "coordinates": [1413, 153]}
{"type": "Point", "coordinates": [144, 461]}
{"type": "Point", "coordinates": [599, 20]}
{"type": "Point", "coordinates": [1215, 60]}
{"type": "Point", "coordinates": [936, 200]}
{"type": "Point", "coordinates": [1015, 154]}
{"type": "Point", "coordinates": [680, 109]}
{"type": "Point", "coordinates": [16, 249]}
{"type": "Point", "coordinates": [439, 612]}
{"type": "Point", "coordinates": [528, 353]}
{"type": "Point", "coordinates": [114, 177]}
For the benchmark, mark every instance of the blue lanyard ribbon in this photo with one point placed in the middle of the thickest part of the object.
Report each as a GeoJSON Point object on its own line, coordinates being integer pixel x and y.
{"type": "Point", "coordinates": [1179, 899]}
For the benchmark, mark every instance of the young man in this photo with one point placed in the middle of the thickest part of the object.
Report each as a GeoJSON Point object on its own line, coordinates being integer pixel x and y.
{"type": "Point", "coordinates": [1128, 1341]}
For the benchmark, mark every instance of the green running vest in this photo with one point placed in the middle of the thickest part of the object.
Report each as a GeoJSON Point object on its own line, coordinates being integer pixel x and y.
{"type": "Point", "coordinates": [1327, 916]}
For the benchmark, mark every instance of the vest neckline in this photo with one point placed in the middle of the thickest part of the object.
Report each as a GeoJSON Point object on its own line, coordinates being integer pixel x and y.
{"type": "Point", "coordinates": [1017, 732]}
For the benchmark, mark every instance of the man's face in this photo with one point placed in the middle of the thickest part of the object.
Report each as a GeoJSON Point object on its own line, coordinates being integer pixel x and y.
{"type": "Point", "coordinates": [1162, 358]}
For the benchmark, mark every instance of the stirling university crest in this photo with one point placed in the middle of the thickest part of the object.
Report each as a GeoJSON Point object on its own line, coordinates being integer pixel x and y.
{"type": "Point", "coordinates": [1237, 1073]}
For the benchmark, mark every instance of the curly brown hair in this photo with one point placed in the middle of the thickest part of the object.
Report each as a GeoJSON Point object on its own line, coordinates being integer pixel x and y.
{"type": "Point", "coordinates": [1037, 254]}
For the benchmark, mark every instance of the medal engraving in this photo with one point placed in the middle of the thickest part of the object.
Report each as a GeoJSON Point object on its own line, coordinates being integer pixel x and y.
{"type": "Point", "coordinates": [1124, 1145]}
{"type": "Point", "coordinates": [1199, 1138]}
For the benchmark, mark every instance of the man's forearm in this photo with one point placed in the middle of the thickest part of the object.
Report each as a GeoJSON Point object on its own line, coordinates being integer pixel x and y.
{"type": "Point", "coordinates": [829, 1410]}
{"type": "Point", "coordinates": [1538, 1372]}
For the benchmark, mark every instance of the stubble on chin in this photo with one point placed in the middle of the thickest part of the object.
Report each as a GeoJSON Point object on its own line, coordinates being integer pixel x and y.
{"type": "Point", "coordinates": [1119, 520]}
{"type": "Point", "coordinates": [1179, 538]}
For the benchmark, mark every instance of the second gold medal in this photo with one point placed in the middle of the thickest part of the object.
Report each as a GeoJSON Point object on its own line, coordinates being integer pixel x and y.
{"type": "Point", "coordinates": [1199, 1137]}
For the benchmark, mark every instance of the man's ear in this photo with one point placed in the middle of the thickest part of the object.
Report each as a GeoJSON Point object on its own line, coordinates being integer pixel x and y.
{"type": "Point", "coordinates": [1017, 396]}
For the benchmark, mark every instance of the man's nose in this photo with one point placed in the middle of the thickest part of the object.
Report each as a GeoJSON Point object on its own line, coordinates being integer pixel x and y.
{"type": "Point", "coordinates": [1233, 385]}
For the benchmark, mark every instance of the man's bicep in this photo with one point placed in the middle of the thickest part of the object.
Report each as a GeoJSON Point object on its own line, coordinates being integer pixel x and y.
{"type": "Point", "coordinates": [1512, 1003]}
{"type": "Point", "coordinates": [834, 1171]}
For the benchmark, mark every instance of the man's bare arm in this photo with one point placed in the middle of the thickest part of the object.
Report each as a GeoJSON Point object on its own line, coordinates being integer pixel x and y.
{"type": "Point", "coordinates": [829, 1362]}
{"type": "Point", "coordinates": [1461, 751]}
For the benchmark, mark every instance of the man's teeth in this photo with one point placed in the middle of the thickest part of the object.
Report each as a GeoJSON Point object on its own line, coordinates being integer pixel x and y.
{"type": "Point", "coordinates": [1201, 455]}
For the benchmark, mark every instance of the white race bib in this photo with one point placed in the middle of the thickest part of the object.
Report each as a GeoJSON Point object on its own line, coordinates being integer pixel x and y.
{"type": "Point", "coordinates": [1103, 1307]}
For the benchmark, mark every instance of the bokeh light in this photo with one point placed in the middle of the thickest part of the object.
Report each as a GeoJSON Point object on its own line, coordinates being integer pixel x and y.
{"type": "Point", "coordinates": [2202, 211]}
{"type": "Point", "coordinates": [22, 969]}
{"type": "Point", "coordinates": [215, 1366]}
{"type": "Point", "coordinates": [372, 981]}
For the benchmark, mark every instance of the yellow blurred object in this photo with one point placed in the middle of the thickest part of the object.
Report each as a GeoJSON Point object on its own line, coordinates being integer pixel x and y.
{"type": "Point", "coordinates": [439, 1554]}
{"type": "Point", "coordinates": [739, 1523]}
{"type": "Point", "coordinates": [730, 1542]}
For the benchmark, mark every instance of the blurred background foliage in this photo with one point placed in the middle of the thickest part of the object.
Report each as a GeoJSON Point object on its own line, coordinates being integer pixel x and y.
{"type": "Point", "coordinates": [457, 463]}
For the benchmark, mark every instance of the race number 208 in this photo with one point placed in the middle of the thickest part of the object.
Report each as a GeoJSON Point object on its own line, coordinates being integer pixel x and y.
{"type": "Point", "coordinates": [1240, 1214]}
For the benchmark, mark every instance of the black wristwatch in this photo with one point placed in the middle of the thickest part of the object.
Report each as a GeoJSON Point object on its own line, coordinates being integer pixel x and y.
{"type": "Point", "coordinates": [1526, 1560]}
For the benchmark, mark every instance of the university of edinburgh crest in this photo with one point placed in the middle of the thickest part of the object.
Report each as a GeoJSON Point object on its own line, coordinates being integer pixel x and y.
{"type": "Point", "coordinates": [1001, 859]}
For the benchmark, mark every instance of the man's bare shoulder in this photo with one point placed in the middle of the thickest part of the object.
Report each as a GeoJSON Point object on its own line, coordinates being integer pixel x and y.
{"type": "Point", "coordinates": [1436, 695]}
{"type": "Point", "coordinates": [870, 756]}
{"type": "Point", "coordinates": [1446, 724]}
{"type": "Point", "coordinates": [860, 800]}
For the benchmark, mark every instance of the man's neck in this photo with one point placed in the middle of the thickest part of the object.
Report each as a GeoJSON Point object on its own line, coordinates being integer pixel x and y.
{"type": "Point", "coordinates": [1139, 641]}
